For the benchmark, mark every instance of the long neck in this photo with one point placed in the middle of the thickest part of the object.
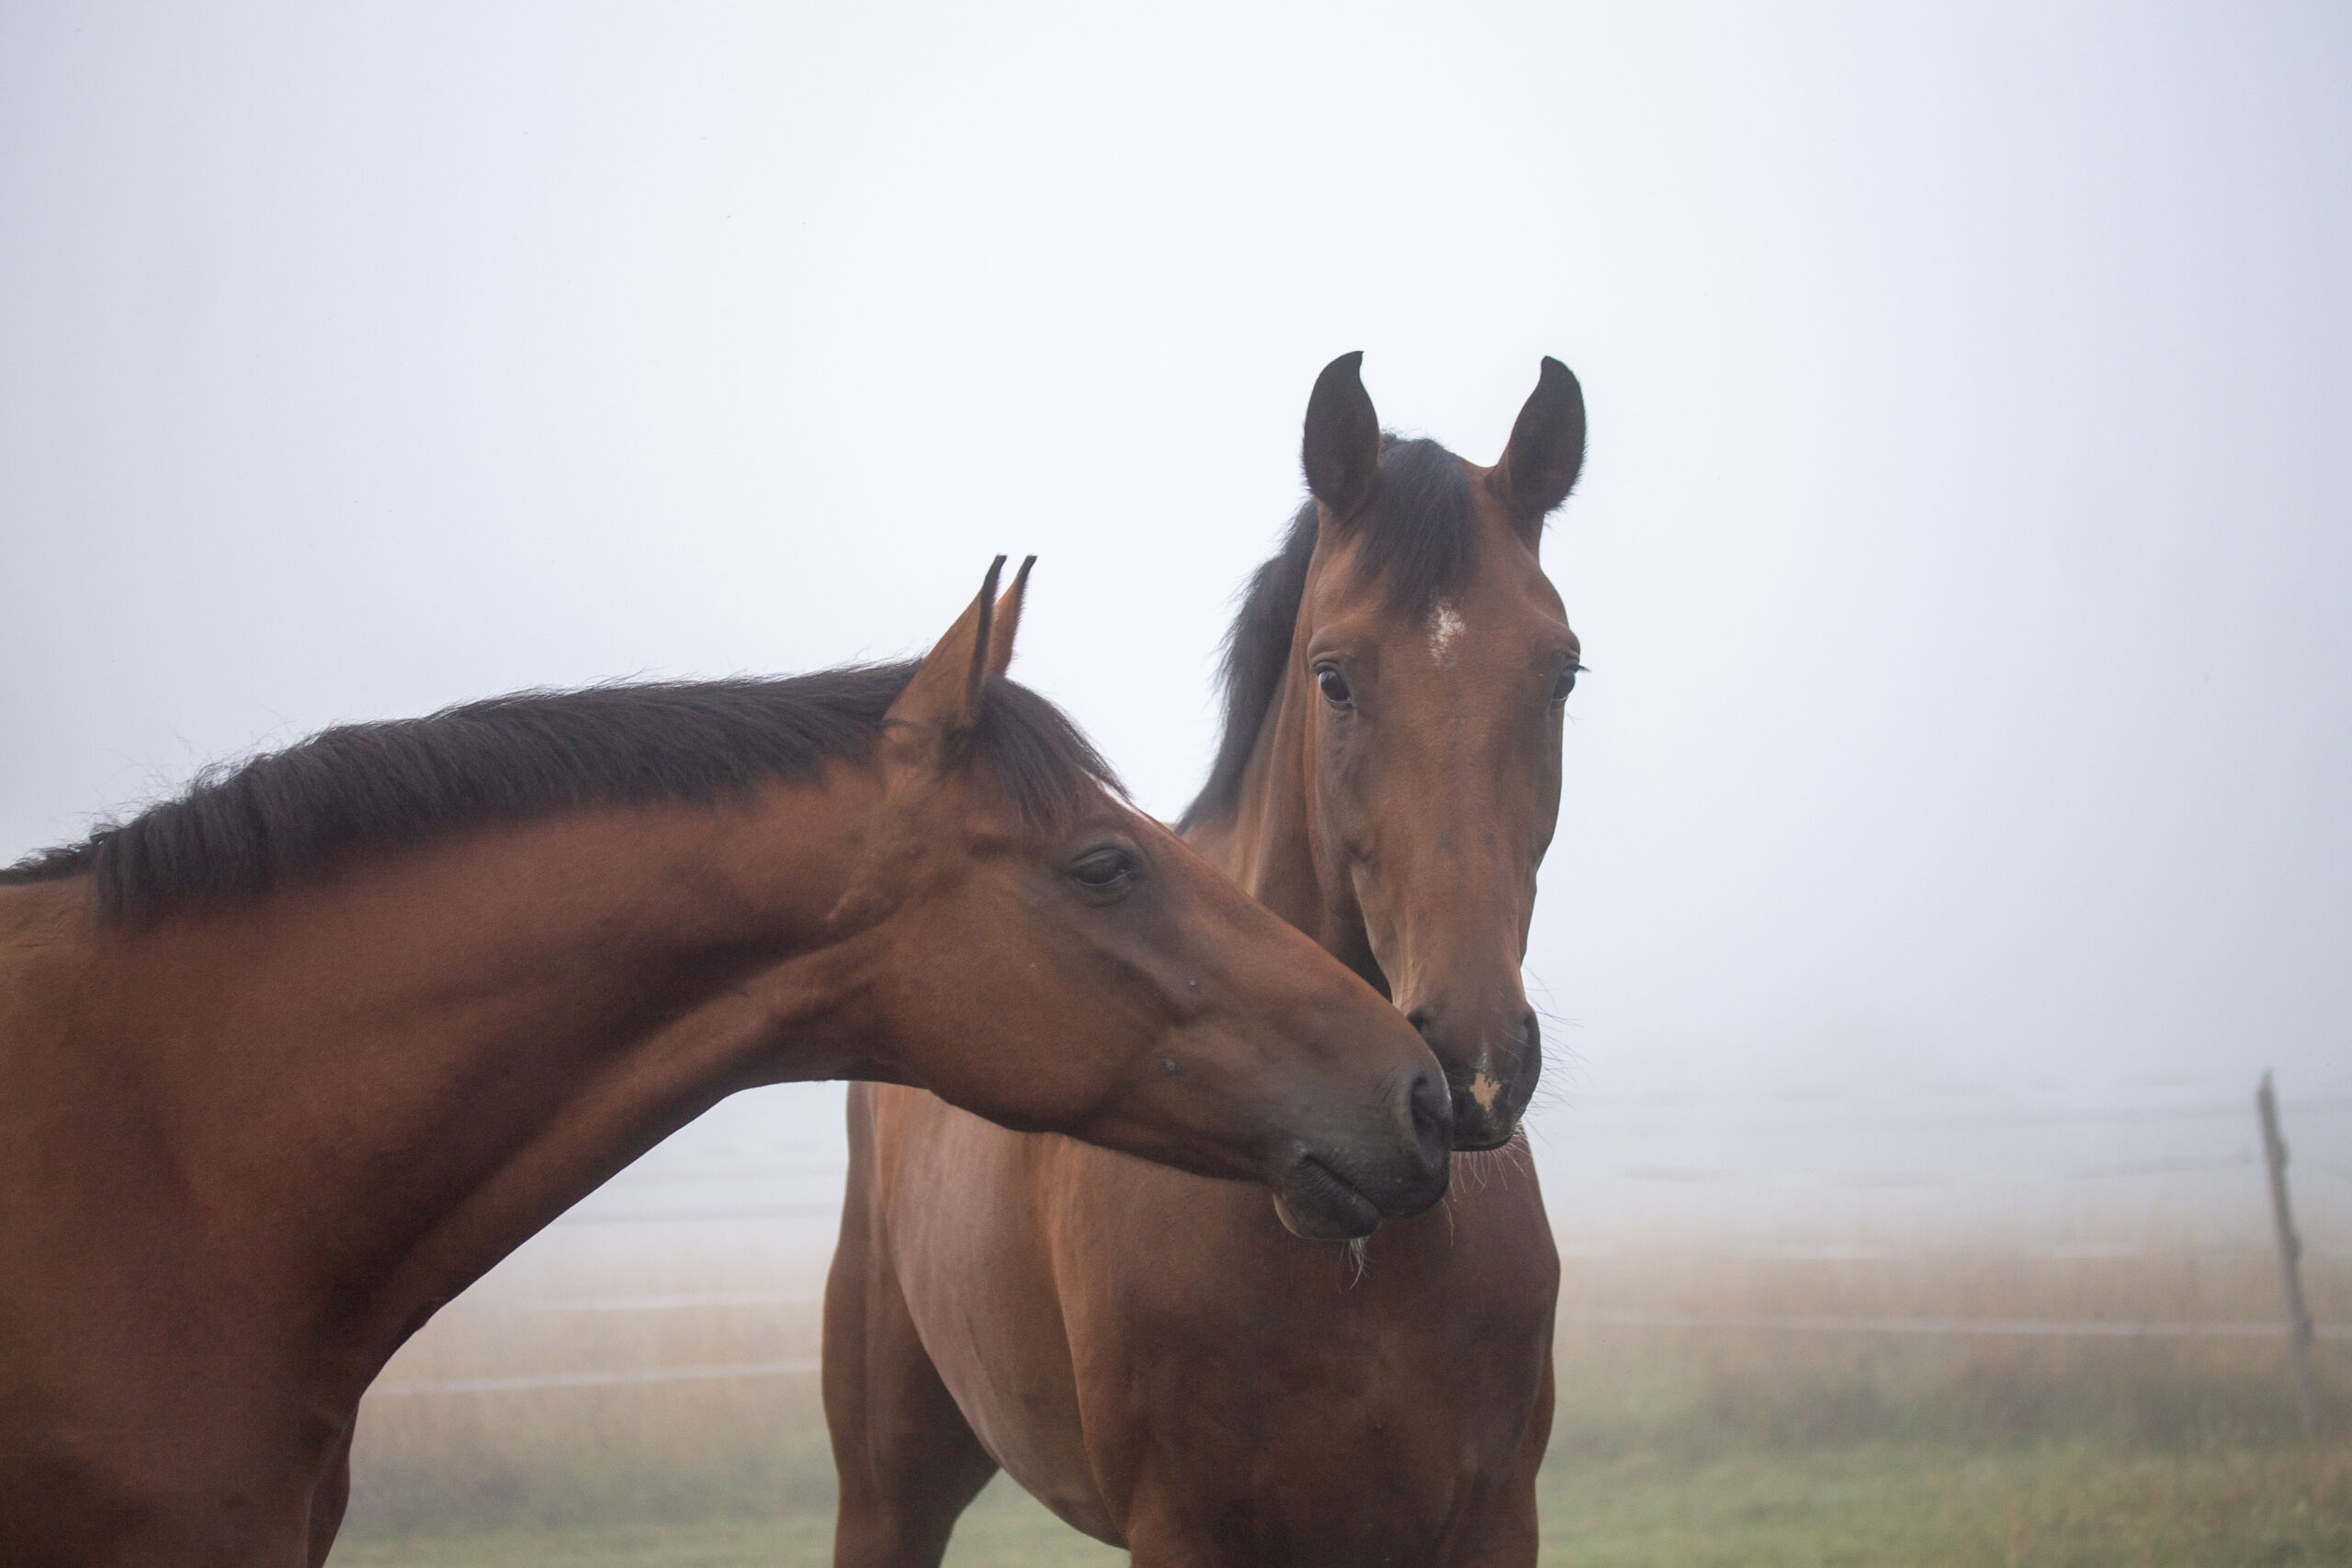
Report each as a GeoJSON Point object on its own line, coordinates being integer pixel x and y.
{"type": "Point", "coordinates": [374, 1089]}
{"type": "Point", "coordinates": [1264, 842]}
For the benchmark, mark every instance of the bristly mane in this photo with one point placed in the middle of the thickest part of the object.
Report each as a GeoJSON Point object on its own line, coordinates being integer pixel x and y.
{"type": "Point", "coordinates": [1415, 537]}
{"type": "Point", "coordinates": [360, 788]}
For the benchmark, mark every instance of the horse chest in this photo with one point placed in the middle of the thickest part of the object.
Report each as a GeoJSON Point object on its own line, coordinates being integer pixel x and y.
{"type": "Point", "coordinates": [1275, 1396]}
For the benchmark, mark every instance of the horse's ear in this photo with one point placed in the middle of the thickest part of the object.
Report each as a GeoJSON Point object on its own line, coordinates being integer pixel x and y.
{"type": "Point", "coordinates": [1007, 625]}
{"type": "Point", "coordinates": [945, 694]}
{"type": "Point", "coordinates": [1547, 452]}
{"type": "Point", "coordinates": [1342, 452]}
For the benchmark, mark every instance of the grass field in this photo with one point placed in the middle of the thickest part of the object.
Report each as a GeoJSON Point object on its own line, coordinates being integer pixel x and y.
{"type": "Point", "coordinates": [1680, 1445]}
{"type": "Point", "coordinates": [2079, 1505]}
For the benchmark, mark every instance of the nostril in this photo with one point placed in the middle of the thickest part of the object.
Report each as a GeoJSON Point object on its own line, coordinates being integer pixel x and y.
{"type": "Point", "coordinates": [1420, 1018]}
{"type": "Point", "coordinates": [1432, 1109]}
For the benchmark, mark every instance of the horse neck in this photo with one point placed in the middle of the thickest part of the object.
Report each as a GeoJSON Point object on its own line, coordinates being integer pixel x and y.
{"type": "Point", "coordinates": [389, 1081]}
{"type": "Point", "coordinates": [1263, 844]}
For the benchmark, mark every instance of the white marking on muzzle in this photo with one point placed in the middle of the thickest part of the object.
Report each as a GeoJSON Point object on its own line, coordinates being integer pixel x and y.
{"type": "Point", "coordinates": [1484, 1088]}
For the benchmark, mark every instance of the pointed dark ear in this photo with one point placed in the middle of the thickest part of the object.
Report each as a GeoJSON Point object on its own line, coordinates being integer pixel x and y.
{"type": "Point", "coordinates": [1342, 452]}
{"type": "Point", "coordinates": [1547, 452]}
{"type": "Point", "coordinates": [1007, 625]}
{"type": "Point", "coordinates": [944, 695]}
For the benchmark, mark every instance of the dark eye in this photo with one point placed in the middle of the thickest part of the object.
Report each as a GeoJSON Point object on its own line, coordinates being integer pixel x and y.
{"type": "Point", "coordinates": [1107, 873]}
{"type": "Point", "coordinates": [1565, 683]}
{"type": "Point", "coordinates": [1333, 686]}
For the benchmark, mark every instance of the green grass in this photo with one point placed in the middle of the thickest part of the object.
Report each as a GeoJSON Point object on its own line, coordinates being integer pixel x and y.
{"type": "Point", "coordinates": [2072, 1505]}
{"type": "Point", "coordinates": [1671, 1447]}
{"type": "Point", "coordinates": [1006, 1528]}
{"type": "Point", "coordinates": [2076, 1505]}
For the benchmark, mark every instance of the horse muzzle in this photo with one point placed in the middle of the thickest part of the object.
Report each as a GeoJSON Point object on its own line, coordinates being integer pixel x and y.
{"type": "Point", "coordinates": [1491, 1081]}
{"type": "Point", "coordinates": [1335, 1195]}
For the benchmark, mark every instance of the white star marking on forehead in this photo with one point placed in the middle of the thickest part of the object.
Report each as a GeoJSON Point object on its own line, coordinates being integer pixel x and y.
{"type": "Point", "coordinates": [1445, 630]}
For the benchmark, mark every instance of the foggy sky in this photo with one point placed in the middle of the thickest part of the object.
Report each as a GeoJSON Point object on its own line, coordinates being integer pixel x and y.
{"type": "Point", "coordinates": [1959, 560]}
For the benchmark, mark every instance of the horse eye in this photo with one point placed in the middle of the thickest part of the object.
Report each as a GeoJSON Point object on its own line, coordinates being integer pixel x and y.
{"type": "Point", "coordinates": [1104, 870]}
{"type": "Point", "coordinates": [1333, 686]}
{"type": "Point", "coordinates": [1566, 683]}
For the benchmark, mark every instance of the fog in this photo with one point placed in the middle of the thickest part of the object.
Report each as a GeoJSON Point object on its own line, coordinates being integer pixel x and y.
{"type": "Point", "coordinates": [1959, 561]}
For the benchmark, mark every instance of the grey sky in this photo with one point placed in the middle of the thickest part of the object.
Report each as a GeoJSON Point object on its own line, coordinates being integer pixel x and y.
{"type": "Point", "coordinates": [1959, 561]}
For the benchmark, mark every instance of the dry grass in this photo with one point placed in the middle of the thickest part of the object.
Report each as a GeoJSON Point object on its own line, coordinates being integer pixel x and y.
{"type": "Point", "coordinates": [1673, 1445]}
{"type": "Point", "coordinates": [1697, 1389]}
{"type": "Point", "coordinates": [656, 1453]}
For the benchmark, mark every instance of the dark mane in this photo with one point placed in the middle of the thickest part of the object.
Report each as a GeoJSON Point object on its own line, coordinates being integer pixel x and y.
{"type": "Point", "coordinates": [1416, 540]}
{"type": "Point", "coordinates": [361, 788]}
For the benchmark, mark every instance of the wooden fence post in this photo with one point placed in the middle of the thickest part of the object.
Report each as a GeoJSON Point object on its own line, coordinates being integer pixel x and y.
{"type": "Point", "coordinates": [2290, 1257]}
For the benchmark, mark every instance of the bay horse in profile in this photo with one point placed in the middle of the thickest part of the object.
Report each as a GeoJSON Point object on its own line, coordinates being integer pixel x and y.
{"type": "Point", "coordinates": [286, 1063]}
{"type": "Point", "coordinates": [1149, 1354]}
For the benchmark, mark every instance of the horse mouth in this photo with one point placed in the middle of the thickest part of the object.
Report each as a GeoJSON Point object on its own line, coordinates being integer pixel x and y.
{"type": "Point", "coordinates": [1319, 1204]}
{"type": "Point", "coordinates": [1484, 1117]}
{"type": "Point", "coordinates": [1483, 1141]}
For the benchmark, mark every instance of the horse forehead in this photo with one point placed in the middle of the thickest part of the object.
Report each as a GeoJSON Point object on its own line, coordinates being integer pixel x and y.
{"type": "Point", "coordinates": [1505, 606]}
{"type": "Point", "coordinates": [1472, 637]}
{"type": "Point", "coordinates": [1445, 628]}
